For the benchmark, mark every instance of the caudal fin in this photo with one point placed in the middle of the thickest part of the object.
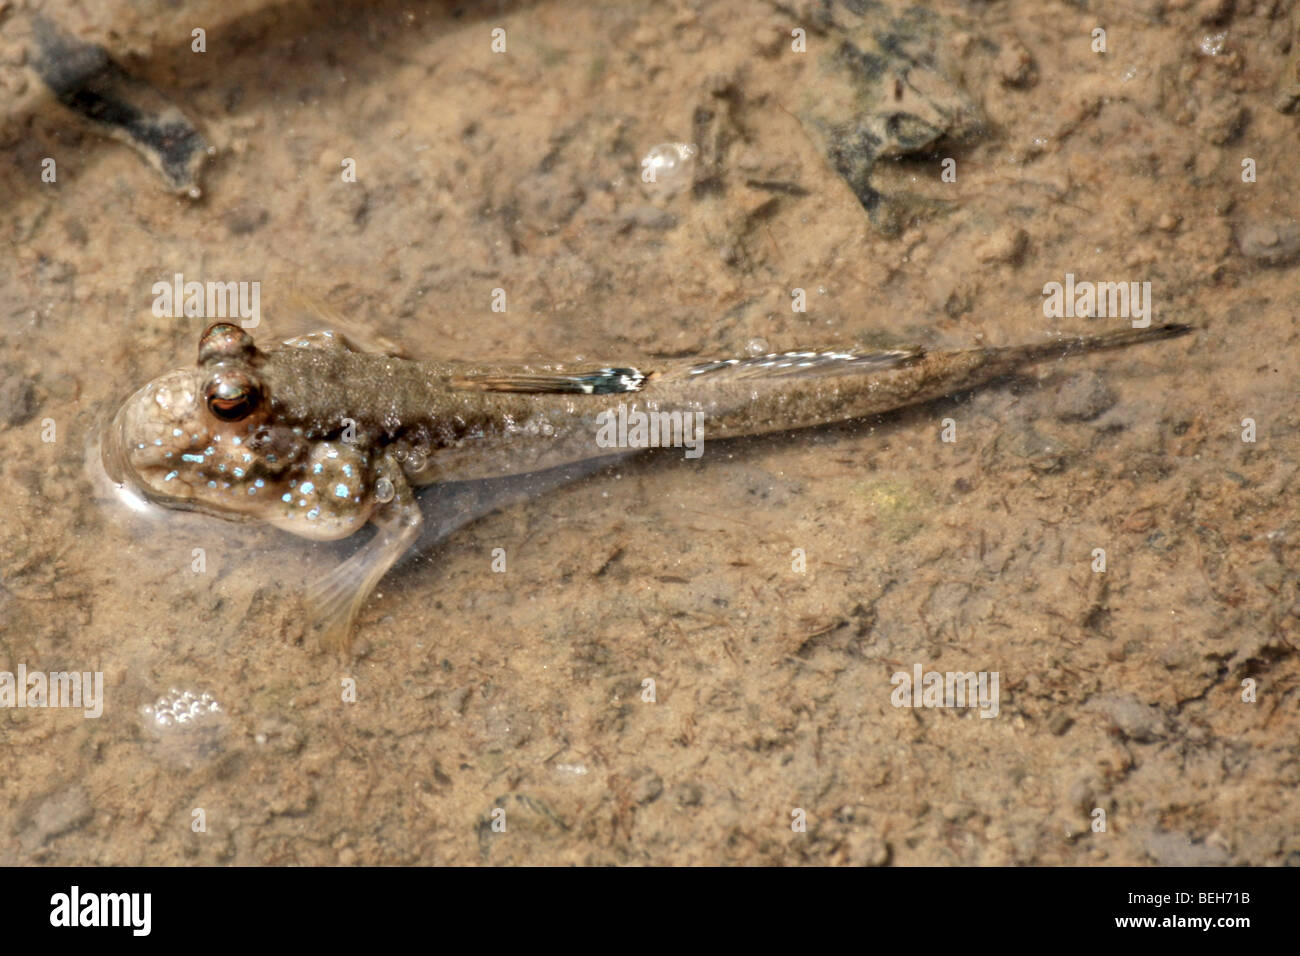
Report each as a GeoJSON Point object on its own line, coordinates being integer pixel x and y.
{"type": "Point", "coordinates": [1081, 344]}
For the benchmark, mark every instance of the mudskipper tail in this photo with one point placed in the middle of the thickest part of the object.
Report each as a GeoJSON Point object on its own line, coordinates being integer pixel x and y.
{"type": "Point", "coordinates": [1082, 344]}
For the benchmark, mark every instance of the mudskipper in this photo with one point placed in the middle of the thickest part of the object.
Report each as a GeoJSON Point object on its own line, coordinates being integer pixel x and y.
{"type": "Point", "coordinates": [320, 439]}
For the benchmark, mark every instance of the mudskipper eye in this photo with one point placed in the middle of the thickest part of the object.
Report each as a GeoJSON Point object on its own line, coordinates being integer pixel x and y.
{"type": "Point", "coordinates": [223, 342]}
{"type": "Point", "coordinates": [231, 395]}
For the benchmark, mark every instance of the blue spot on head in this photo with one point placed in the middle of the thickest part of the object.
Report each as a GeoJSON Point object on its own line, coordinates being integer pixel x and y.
{"type": "Point", "coordinates": [286, 497]}
{"type": "Point", "coordinates": [196, 459]}
{"type": "Point", "coordinates": [170, 476]}
{"type": "Point", "coordinates": [239, 472]}
{"type": "Point", "coordinates": [307, 488]}
{"type": "Point", "coordinates": [340, 491]}
{"type": "Point", "coordinates": [316, 469]}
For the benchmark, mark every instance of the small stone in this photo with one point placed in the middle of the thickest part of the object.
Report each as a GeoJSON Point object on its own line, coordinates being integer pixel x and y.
{"type": "Point", "coordinates": [1132, 717]}
{"type": "Point", "coordinates": [648, 787]}
{"type": "Point", "coordinates": [1224, 121]}
{"type": "Point", "coordinates": [282, 736]}
{"type": "Point", "coordinates": [867, 849]}
{"type": "Point", "coordinates": [768, 41]}
{"type": "Point", "coordinates": [1015, 66]}
{"type": "Point", "coordinates": [688, 794]}
{"type": "Point", "coordinates": [17, 397]}
{"type": "Point", "coordinates": [1007, 244]}
{"type": "Point", "coordinates": [547, 203]}
{"type": "Point", "coordinates": [956, 812]}
{"type": "Point", "coordinates": [245, 218]}
{"type": "Point", "coordinates": [1272, 244]}
{"type": "Point", "coordinates": [1178, 849]}
{"type": "Point", "coordinates": [59, 813]}
{"type": "Point", "coordinates": [1083, 397]}
{"type": "Point", "coordinates": [1082, 795]}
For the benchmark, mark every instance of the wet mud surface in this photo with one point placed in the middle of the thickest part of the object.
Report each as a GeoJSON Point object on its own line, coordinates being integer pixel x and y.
{"type": "Point", "coordinates": [773, 587]}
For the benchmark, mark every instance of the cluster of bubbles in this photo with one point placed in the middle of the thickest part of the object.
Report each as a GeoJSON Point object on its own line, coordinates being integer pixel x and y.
{"type": "Point", "coordinates": [180, 709]}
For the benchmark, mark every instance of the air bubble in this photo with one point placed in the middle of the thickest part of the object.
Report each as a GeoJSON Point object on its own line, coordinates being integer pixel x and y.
{"type": "Point", "coordinates": [180, 708]}
{"type": "Point", "coordinates": [384, 491]}
{"type": "Point", "coordinates": [666, 168]}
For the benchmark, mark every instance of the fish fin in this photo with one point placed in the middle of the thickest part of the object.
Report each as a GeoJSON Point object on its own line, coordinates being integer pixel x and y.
{"type": "Point", "coordinates": [334, 600]}
{"type": "Point", "coordinates": [1083, 344]}
{"type": "Point", "coordinates": [801, 363]}
{"type": "Point", "coordinates": [605, 381]}
{"type": "Point", "coordinates": [305, 321]}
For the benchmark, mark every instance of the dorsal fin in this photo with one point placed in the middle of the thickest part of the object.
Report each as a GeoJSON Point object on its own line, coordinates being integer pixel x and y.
{"type": "Point", "coordinates": [299, 316]}
{"type": "Point", "coordinates": [606, 381]}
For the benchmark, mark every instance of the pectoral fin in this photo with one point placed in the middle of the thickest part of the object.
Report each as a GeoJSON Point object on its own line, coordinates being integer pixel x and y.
{"type": "Point", "coordinates": [334, 601]}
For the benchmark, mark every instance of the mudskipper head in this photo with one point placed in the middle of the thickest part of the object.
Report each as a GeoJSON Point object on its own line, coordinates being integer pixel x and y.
{"type": "Point", "coordinates": [210, 438]}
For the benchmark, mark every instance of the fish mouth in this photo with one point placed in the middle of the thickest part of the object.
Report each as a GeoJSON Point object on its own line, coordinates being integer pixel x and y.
{"type": "Point", "coordinates": [117, 462]}
{"type": "Point", "coordinates": [112, 474]}
{"type": "Point", "coordinates": [134, 422]}
{"type": "Point", "coordinates": [112, 454]}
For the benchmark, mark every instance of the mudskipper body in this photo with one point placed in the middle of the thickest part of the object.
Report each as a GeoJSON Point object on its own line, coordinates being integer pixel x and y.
{"type": "Point", "coordinates": [319, 439]}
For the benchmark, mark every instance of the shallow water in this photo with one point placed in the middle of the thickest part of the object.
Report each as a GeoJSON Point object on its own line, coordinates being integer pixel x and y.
{"type": "Point", "coordinates": [473, 691]}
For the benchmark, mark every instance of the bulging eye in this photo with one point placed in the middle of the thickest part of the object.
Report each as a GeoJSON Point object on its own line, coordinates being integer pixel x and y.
{"type": "Point", "coordinates": [232, 395]}
{"type": "Point", "coordinates": [223, 342]}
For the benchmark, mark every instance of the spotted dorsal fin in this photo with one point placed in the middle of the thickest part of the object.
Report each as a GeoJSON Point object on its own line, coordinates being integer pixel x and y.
{"type": "Point", "coordinates": [605, 381]}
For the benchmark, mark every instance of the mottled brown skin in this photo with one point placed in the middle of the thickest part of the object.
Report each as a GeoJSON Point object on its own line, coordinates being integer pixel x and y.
{"type": "Point", "coordinates": [319, 439]}
{"type": "Point", "coordinates": [468, 432]}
